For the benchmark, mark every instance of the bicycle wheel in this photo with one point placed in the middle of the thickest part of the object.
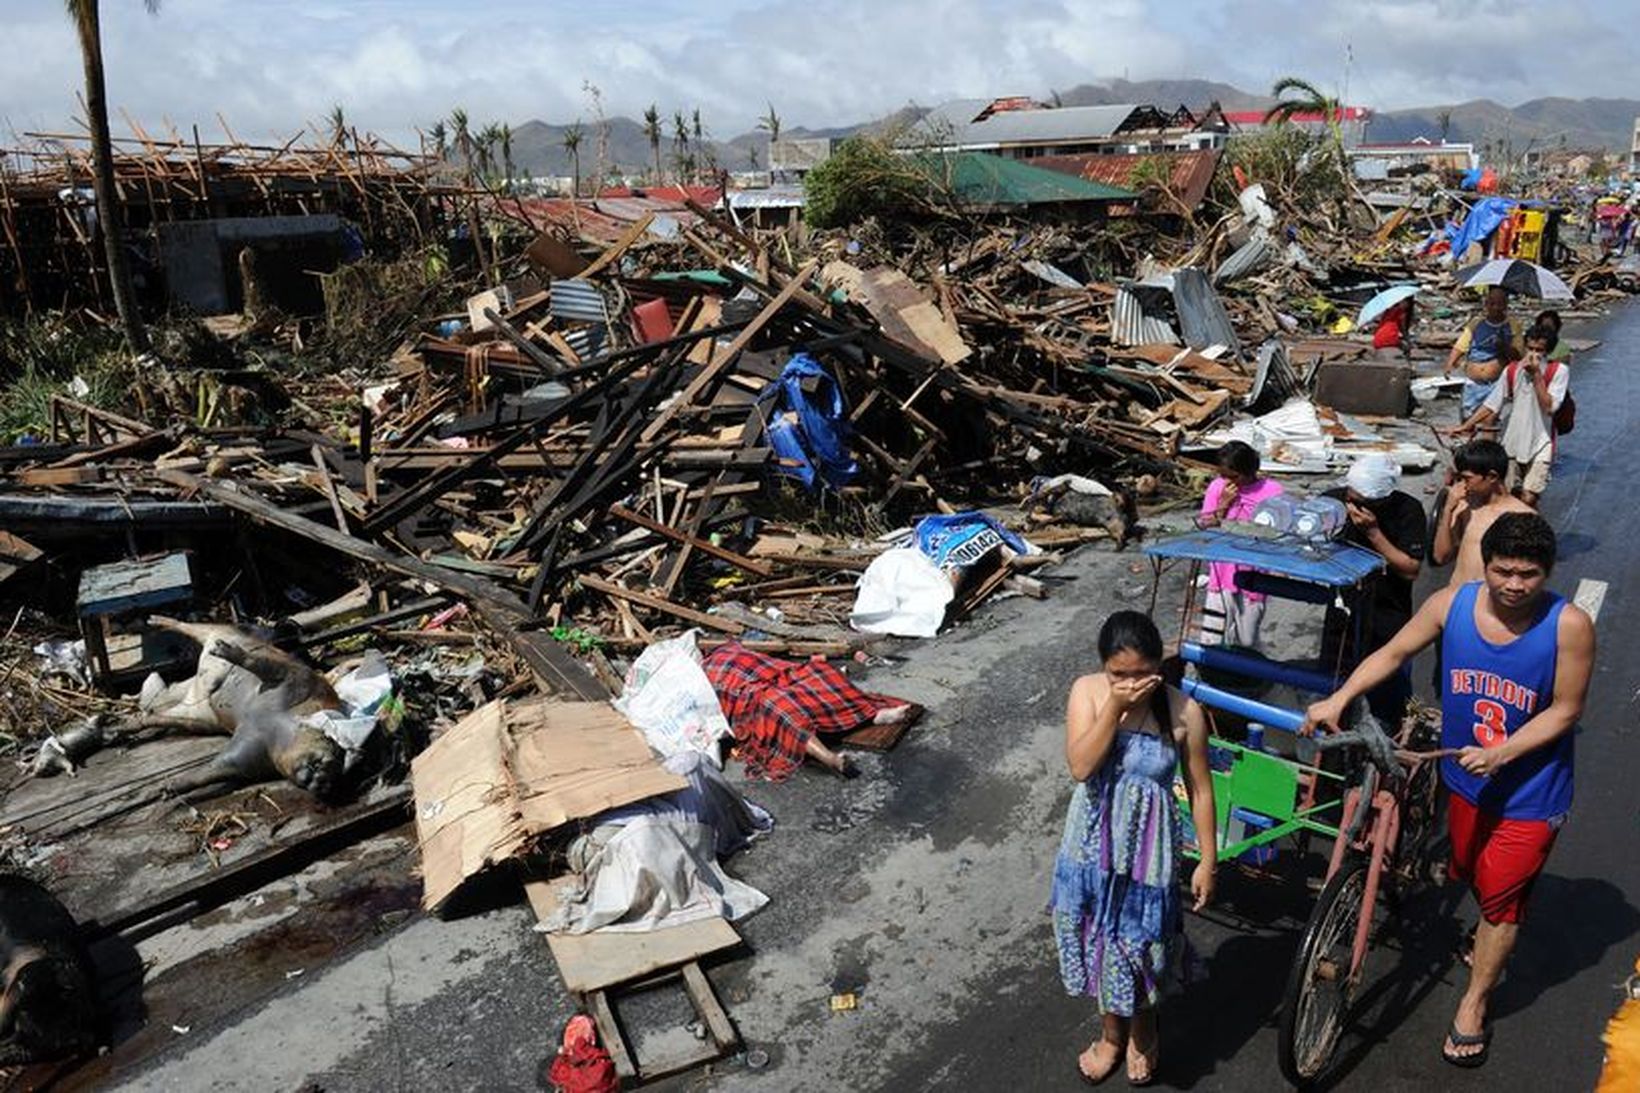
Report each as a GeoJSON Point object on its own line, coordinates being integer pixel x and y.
{"type": "Point", "coordinates": [1320, 986]}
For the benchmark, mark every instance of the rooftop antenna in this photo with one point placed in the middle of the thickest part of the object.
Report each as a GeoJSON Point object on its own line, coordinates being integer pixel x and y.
{"type": "Point", "coordinates": [1344, 101]}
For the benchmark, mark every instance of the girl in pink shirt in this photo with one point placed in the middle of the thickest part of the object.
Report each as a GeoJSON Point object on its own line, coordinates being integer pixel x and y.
{"type": "Point", "coordinates": [1234, 496]}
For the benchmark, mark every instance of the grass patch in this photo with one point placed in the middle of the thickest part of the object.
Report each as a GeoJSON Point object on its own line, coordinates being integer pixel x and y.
{"type": "Point", "coordinates": [42, 356]}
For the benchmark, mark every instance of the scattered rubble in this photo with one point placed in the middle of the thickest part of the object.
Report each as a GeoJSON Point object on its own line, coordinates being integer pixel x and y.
{"type": "Point", "coordinates": [521, 461]}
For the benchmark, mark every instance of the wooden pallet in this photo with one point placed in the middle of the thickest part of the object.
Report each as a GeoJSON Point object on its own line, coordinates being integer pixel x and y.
{"type": "Point", "coordinates": [600, 968]}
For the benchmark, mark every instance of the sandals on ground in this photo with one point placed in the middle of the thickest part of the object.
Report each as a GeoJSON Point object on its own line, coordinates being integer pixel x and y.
{"type": "Point", "coordinates": [1150, 1058]}
{"type": "Point", "coordinates": [1468, 1039]}
{"type": "Point", "coordinates": [1115, 1061]}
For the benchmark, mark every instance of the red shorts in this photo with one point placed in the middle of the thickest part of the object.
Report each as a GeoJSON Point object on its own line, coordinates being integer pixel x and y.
{"type": "Point", "coordinates": [1499, 858]}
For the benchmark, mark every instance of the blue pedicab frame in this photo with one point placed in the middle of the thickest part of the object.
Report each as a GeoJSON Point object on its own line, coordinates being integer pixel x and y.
{"type": "Point", "coordinates": [1270, 795]}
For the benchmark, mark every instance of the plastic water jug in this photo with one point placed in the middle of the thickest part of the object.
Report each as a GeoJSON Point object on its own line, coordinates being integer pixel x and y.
{"type": "Point", "coordinates": [1319, 517]}
{"type": "Point", "coordinates": [1276, 513]}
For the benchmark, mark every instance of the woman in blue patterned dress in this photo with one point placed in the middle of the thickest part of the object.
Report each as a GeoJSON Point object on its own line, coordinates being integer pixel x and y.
{"type": "Point", "coordinates": [1117, 913]}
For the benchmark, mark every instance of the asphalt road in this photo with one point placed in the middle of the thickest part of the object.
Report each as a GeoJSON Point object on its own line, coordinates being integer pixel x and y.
{"type": "Point", "coordinates": [921, 888]}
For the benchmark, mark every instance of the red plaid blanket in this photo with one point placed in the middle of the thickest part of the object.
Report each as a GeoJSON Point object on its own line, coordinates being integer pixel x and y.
{"type": "Point", "coordinates": [775, 705]}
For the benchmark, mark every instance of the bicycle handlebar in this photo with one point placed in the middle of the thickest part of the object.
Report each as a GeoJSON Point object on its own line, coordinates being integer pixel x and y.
{"type": "Point", "coordinates": [1365, 731]}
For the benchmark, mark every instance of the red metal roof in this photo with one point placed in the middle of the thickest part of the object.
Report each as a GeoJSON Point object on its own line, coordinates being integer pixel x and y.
{"type": "Point", "coordinates": [704, 195]}
{"type": "Point", "coordinates": [1256, 117]}
{"type": "Point", "coordinates": [603, 219]}
{"type": "Point", "coordinates": [1190, 173]}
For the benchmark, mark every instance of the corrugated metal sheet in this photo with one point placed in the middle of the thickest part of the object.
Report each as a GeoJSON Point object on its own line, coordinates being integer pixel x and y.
{"type": "Point", "coordinates": [1131, 324]}
{"type": "Point", "coordinates": [1190, 174]}
{"type": "Point", "coordinates": [587, 341]}
{"type": "Point", "coordinates": [580, 300]}
{"type": "Point", "coordinates": [1202, 318]}
{"type": "Point", "coordinates": [981, 179]}
{"type": "Point", "coordinates": [951, 124]}
{"type": "Point", "coordinates": [1250, 257]}
{"type": "Point", "coordinates": [774, 197]}
{"type": "Point", "coordinates": [1137, 317]}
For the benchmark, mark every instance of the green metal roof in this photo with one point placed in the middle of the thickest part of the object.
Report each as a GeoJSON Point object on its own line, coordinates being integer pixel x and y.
{"type": "Point", "coordinates": [979, 178]}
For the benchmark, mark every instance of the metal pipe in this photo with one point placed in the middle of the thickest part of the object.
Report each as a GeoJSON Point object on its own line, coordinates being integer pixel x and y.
{"type": "Point", "coordinates": [1265, 714]}
{"type": "Point", "coordinates": [1272, 671]}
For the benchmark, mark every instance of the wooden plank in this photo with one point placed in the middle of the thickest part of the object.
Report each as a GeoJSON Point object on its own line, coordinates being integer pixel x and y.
{"type": "Point", "coordinates": [58, 476]}
{"type": "Point", "coordinates": [16, 553]}
{"type": "Point", "coordinates": [632, 234]}
{"type": "Point", "coordinates": [609, 1034]}
{"type": "Point", "coordinates": [554, 667]}
{"type": "Point", "coordinates": [217, 887]}
{"type": "Point", "coordinates": [602, 959]}
{"type": "Point", "coordinates": [705, 546]}
{"type": "Point", "coordinates": [330, 489]}
{"type": "Point", "coordinates": [721, 361]}
{"type": "Point", "coordinates": [707, 1005]}
{"type": "Point", "coordinates": [657, 603]}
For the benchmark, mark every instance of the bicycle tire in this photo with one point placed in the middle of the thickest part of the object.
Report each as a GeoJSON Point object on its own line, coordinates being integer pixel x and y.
{"type": "Point", "coordinates": [1306, 1038]}
{"type": "Point", "coordinates": [1435, 515]}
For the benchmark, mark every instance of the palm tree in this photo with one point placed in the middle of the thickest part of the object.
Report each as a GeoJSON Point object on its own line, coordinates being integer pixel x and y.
{"type": "Point", "coordinates": [338, 124]}
{"type": "Point", "coordinates": [464, 139]}
{"type": "Point", "coordinates": [572, 145]}
{"type": "Point", "coordinates": [1307, 100]}
{"type": "Point", "coordinates": [109, 218]}
{"type": "Point", "coordinates": [441, 139]}
{"type": "Point", "coordinates": [1296, 96]}
{"type": "Point", "coordinates": [506, 152]}
{"type": "Point", "coordinates": [488, 138]}
{"type": "Point", "coordinates": [652, 130]}
{"type": "Point", "coordinates": [769, 123]}
{"type": "Point", "coordinates": [680, 146]}
{"type": "Point", "coordinates": [1444, 119]}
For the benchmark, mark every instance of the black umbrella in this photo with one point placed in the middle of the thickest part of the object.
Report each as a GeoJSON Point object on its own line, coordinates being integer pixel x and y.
{"type": "Point", "coordinates": [1516, 275]}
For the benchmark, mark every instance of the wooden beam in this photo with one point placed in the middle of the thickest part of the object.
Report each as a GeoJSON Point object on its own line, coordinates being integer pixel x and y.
{"type": "Point", "coordinates": [705, 546]}
{"type": "Point", "coordinates": [721, 361]}
{"type": "Point", "coordinates": [233, 496]}
{"type": "Point", "coordinates": [330, 489]}
{"type": "Point", "coordinates": [656, 603]}
{"type": "Point", "coordinates": [619, 247]}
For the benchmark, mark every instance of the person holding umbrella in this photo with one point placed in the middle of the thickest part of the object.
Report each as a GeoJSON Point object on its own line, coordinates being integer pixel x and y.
{"type": "Point", "coordinates": [1486, 345]}
{"type": "Point", "coordinates": [1392, 308]}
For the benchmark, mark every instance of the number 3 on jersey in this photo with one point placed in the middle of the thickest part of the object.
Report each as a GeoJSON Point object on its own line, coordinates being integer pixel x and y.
{"type": "Point", "coordinates": [1491, 725]}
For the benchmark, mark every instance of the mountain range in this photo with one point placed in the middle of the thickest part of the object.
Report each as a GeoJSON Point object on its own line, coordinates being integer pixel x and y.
{"type": "Point", "coordinates": [1540, 123]}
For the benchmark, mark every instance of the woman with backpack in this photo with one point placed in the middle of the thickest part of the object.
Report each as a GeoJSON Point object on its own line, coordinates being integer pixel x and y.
{"type": "Point", "coordinates": [1534, 402]}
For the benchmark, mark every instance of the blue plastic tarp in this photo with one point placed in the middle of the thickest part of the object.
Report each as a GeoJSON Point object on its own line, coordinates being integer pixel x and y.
{"type": "Point", "coordinates": [1336, 565]}
{"type": "Point", "coordinates": [814, 447]}
{"type": "Point", "coordinates": [1481, 222]}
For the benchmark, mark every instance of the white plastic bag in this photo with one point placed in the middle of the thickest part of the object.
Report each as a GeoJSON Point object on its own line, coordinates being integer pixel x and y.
{"type": "Point", "coordinates": [668, 697]}
{"type": "Point", "coordinates": [902, 592]}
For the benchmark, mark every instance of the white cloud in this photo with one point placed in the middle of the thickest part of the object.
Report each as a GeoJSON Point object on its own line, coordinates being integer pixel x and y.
{"type": "Point", "coordinates": [270, 65]}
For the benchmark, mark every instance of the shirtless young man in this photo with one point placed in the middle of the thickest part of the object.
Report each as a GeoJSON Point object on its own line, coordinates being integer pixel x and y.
{"type": "Point", "coordinates": [1474, 501]}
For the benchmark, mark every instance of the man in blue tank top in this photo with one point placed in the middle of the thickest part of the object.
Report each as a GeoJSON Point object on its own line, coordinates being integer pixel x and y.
{"type": "Point", "coordinates": [1515, 666]}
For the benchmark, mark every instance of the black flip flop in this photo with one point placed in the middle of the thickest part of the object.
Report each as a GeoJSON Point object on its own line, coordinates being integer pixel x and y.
{"type": "Point", "coordinates": [1466, 1039]}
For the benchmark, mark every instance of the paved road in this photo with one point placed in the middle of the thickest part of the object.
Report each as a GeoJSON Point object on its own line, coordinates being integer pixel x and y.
{"type": "Point", "coordinates": [921, 886]}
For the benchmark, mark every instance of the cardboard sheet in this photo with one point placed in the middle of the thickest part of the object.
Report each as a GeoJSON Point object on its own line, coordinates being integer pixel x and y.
{"type": "Point", "coordinates": [512, 772]}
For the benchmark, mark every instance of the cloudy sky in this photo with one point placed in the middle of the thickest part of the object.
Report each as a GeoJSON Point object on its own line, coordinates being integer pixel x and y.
{"type": "Point", "coordinates": [268, 66]}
